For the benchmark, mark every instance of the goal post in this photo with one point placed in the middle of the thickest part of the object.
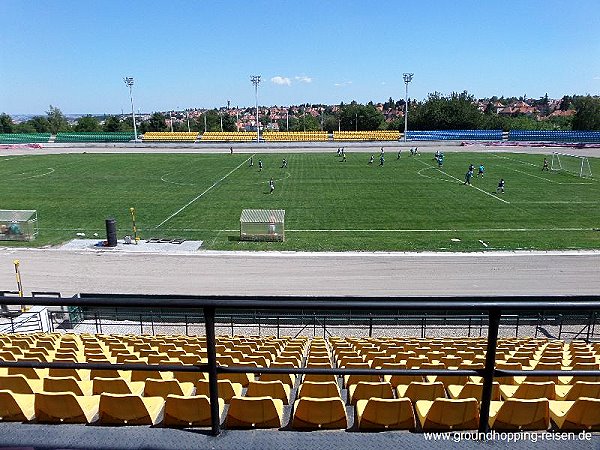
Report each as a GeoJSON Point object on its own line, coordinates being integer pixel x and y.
{"type": "Point", "coordinates": [262, 225]}
{"type": "Point", "coordinates": [573, 164]}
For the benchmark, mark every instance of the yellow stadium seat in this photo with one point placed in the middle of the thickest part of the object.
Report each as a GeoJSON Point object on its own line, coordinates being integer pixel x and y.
{"type": "Point", "coordinates": [162, 388]}
{"type": "Point", "coordinates": [19, 384]}
{"type": "Point", "coordinates": [418, 390]}
{"type": "Point", "coordinates": [472, 390]}
{"type": "Point", "coordinates": [66, 407]}
{"type": "Point", "coordinates": [520, 414]}
{"type": "Point", "coordinates": [117, 409]}
{"type": "Point", "coordinates": [385, 414]}
{"type": "Point", "coordinates": [16, 407]}
{"type": "Point", "coordinates": [191, 411]}
{"type": "Point", "coordinates": [448, 414]}
{"type": "Point", "coordinates": [529, 390]}
{"type": "Point", "coordinates": [581, 414]}
{"type": "Point", "coordinates": [117, 386]}
{"type": "Point", "coordinates": [574, 391]}
{"type": "Point", "coordinates": [67, 384]}
{"type": "Point", "coordinates": [319, 389]}
{"type": "Point", "coordinates": [319, 413]}
{"type": "Point", "coordinates": [273, 389]}
{"type": "Point", "coordinates": [365, 390]}
{"type": "Point", "coordinates": [227, 389]}
{"type": "Point", "coordinates": [254, 412]}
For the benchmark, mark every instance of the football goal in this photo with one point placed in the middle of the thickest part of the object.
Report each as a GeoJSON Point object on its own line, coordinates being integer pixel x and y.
{"type": "Point", "coordinates": [573, 164]}
{"type": "Point", "coordinates": [262, 225]}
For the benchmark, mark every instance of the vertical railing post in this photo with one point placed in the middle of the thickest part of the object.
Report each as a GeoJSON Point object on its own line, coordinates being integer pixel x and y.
{"type": "Point", "coordinates": [589, 328]}
{"type": "Point", "coordinates": [315, 324]}
{"type": "Point", "coordinates": [517, 328]}
{"type": "Point", "coordinates": [593, 324]}
{"type": "Point", "coordinates": [12, 324]}
{"type": "Point", "coordinates": [186, 325]}
{"type": "Point", "coordinates": [423, 320]}
{"type": "Point", "coordinates": [231, 317]}
{"type": "Point", "coordinates": [469, 335]}
{"type": "Point", "coordinates": [324, 326]}
{"type": "Point", "coordinates": [211, 353]}
{"type": "Point", "coordinates": [141, 325]}
{"type": "Point", "coordinates": [488, 371]}
{"type": "Point", "coordinates": [152, 322]}
{"type": "Point", "coordinates": [370, 324]}
{"type": "Point", "coordinates": [277, 327]}
{"type": "Point", "coordinates": [560, 326]}
{"type": "Point", "coordinates": [258, 320]}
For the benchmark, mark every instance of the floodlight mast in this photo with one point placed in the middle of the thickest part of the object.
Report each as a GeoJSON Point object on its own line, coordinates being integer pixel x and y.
{"type": "Point", "coordinates": [407, 79]}
{"type": "Point", "coordinates": [129, 83]}
{"type": "Point", "coordinates": [255, 79]}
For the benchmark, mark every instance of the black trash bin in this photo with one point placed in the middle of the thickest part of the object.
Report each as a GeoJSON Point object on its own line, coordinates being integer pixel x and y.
{"type": "Point", "coordinates": [111, 232]}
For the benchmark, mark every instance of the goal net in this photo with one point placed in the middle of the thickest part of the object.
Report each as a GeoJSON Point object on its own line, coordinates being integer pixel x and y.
{"type": "Point", "coordinates": [573, 164]}
{"type": "Point", "coordinates": [262, 225]}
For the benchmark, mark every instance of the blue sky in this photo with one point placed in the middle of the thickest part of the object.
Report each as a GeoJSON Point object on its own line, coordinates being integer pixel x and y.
{"type": "Point", "coordinates": [74, 54]}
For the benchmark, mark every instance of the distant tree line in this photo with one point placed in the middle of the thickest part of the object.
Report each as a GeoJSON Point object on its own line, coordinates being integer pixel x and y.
{"type": "Point", "coordinates": [438, 112]}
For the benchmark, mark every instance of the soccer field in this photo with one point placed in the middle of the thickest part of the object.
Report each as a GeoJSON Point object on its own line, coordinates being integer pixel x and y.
{"type": "Point", "coordinates": [406, 204]}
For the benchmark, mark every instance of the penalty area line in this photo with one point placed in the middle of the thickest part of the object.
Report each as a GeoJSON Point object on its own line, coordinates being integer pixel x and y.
{"type": "Point", "coordinates": [203, 193]}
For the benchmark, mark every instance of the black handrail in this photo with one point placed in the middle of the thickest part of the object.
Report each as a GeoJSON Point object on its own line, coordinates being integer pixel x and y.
{"type": "Point", "coordinates": [490, 304]}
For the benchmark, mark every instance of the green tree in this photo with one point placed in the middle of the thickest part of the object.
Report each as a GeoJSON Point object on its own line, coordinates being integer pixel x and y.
{"type": "Point", "coordinates": [6, 123]}
{"type": "Point", "coordinates": [24, 127]}
{"type": "Point", "coordinates": [157, 122]}
{"type": "Point", "coordinates": [111, 124]}
{"type": "Point", "coordinates": [87, 124]}
{"type": "Point", "coordinates": [305, 122]}
{"type": "Point", "coordinates": [39, 124]}
{"type": "Point", "coordinates": [57, 120]}
{"type": "Point", "coordinates": [455, 112]}
{"type": "Point", "coordinates": [360, 117]}
{"type": "Point", "coordinates": [587, 113]}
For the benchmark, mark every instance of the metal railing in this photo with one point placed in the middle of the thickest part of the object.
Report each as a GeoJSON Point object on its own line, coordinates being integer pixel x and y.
{"type": "Point", "coordinates": [492, 307]}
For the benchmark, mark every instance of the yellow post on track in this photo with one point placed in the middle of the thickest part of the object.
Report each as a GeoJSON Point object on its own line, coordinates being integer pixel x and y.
{"type": "Point", "coordinates": [17, 263]}
{"type": "Point", "coordinates": [135, 236]}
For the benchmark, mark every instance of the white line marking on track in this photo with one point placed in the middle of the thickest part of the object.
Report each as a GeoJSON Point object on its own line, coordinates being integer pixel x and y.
{"type": "Point", "coordinates": [200, 195]}
{"type": "Point", "coordinates": [474, 187]}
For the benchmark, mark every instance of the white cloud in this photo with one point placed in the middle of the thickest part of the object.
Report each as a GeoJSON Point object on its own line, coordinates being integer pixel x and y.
{"type": "Point", "coordinates": [345, 83]}
{"type": "Point", "coordinates": [281, 81]}
{"type": "Point", "coordinates": [304, 79]}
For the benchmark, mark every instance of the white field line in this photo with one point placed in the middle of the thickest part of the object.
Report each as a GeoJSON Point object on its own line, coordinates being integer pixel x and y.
{"type": "Point", "coordinates": [173, 182]}
{"type": "Point", "coordinates": [50, 171]}
{"type": "Point", "coordinates": [474, 187]}
{"type": "Point", "coordinates": [557, 202]}
{"type": "Point", "coordinates": [399, 230]}
{"type": "Point", "coordinates": [200, 195]}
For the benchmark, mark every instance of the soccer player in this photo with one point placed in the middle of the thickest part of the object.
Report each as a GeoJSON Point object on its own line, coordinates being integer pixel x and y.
{"type": "Point", "coordinates": [284, 163]}
{"type": "Point", "coordinates": [440, 160]}
{"type": "Point", "coordinates": [399, 153]}
{"type": "Point", "coordinates": [381, 160]}
{"type": "Point", "coordinates": [339, 151]}
{"type": "Point", "coordinates": [371, 159]}
{"type": "Point", "coordinates": [271, 185]}
{"type": "Point", "coordinates": [471, 167]}
{"type": "Point", "coordinates": [260, 165]}
{"type": "Point", "coordinates": [251, 162]}
{"type": "Point", "coordinates": [231, 150]}
{"type": "Point", "coordinates": [381, 151]}
{"type": "Point", "coordinates": [468, 177]}
{"type": "Point", "coordinates": [545, 167]}
{"type": "Point", "coordinates": [343, 156]}
{"type": "Point", "coordinates": [480, 170]}
{"type": "Point", "coordinates": [500, 187]}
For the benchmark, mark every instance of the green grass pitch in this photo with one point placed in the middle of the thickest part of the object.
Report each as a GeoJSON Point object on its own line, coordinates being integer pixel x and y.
{"type": "Point", "coordinates": [406, 205]}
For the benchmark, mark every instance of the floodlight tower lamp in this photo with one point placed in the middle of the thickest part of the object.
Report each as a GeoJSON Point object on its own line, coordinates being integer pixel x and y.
{"type": "Point", "coordinates": [255, 79]}
{"type": "Point", "coordinates": [129, 83]}
{"type": "Point", "coordinates": [407, 79]}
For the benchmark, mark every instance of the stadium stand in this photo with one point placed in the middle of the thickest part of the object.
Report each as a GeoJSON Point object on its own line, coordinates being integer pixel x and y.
{"type": "Point", "coordinates": [148, 397]}
{"type": "Point", "coordinates": [296, 136]}
{"type": "Point", "coordinates": [167, 136]}
{"type": "Point", "coordinates": [454, 135]}
{"type": "Point", "coordinates": [94, 137]}
{"type": "Point", "coordinates": [24, 138]}
{"type": "Point", "coordinates": [225, 136]}
{"type": "Point", "coordinates": [554, 136]}
{"type": "Point", "coordinates": [377, 135]}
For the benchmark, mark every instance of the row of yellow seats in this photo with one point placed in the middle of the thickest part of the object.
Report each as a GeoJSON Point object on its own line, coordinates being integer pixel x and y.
{"type": "Point", "coordinates": [296, 136]}
{"type": "Point", "coordinates": [228, 136]}
{"type": "Point", "coordinates": [170, 136]}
